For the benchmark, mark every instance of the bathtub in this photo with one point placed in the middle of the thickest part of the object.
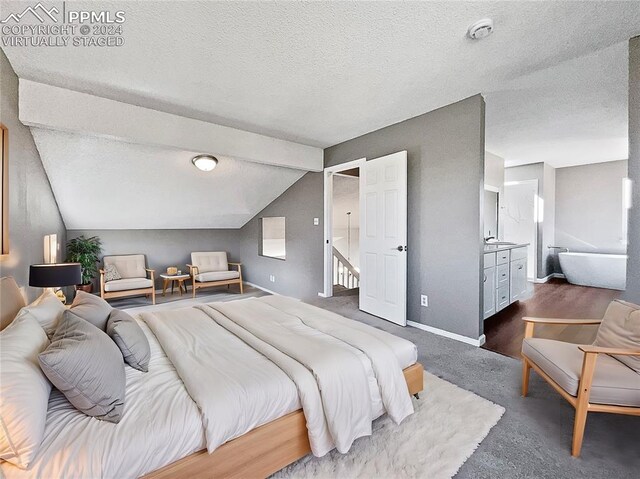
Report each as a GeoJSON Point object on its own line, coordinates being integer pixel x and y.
{"type": "Point", "coordinates": [595, 269]}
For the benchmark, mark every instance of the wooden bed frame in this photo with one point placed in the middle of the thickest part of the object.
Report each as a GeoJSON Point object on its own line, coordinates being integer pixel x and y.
{"type": "Point", "coordinates": [262, 451]}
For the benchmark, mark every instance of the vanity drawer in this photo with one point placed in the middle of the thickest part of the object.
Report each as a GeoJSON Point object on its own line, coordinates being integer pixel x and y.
{"type": "Point", "coordinates": [502, 257]}
{"type": "Point", "coordinates": [502, 298]}
{"type": "Point", "coordinates": [518, 253]}
{"type": "Point", "coordinates": [502, 277]}
{"type": "Point", "coordinates": [489, 260]}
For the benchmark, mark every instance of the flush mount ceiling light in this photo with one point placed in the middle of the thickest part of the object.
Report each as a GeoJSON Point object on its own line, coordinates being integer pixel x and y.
{"type": "Point", "coordinates": [481, 29]}
{"type": "Point", "coordinates": [204, 162]}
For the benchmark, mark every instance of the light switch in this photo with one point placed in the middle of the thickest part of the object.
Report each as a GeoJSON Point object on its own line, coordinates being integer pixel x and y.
{"type": "Point", "coordinates": [316, 221]}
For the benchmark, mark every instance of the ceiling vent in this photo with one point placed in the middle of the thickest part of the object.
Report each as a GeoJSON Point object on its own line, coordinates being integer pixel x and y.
{"type": "Point", "coordinates": [481, 29]}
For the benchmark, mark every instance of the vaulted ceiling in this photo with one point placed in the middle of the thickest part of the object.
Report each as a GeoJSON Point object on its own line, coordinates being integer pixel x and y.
{"type": "Point", "coordinates": [318, 73]}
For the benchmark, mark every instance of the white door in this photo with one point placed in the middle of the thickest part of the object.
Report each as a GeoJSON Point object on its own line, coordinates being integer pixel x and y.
{"type": "Point", "coordinates": [383, 237]}
{"type": "Point", "coordinates": [519, 218]}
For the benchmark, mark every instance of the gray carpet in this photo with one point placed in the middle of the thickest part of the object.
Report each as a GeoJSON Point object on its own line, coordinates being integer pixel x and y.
{"type": "Point", "coordinates": [533, 438]}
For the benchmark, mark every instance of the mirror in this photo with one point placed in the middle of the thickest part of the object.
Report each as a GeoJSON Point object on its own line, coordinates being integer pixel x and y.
{"type": "Point", "coordinates": [272, 244]}
{"type": "Point", "coordinates": [491, 208]}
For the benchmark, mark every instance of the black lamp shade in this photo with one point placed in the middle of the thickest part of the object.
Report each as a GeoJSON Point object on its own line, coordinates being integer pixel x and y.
{"type": "Point", "coordinates": [54, 275]}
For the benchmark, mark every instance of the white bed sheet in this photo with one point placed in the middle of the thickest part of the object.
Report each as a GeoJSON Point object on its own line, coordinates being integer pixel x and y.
{"type": "Point", "coordinates": [161, 424]}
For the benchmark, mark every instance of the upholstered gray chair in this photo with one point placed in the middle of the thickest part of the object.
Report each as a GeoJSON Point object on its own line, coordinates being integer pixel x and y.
{"type": "Point", "coordinates": [211, 268]}
{"type": "Point", "coordinates": [603, 377]}
{"type": "Point", "coordinates": [130, 277]}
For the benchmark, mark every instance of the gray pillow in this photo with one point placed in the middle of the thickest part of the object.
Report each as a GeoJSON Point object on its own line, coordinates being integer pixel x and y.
{"type": "Point", "coordinates": [91, 308]}
{"type": "Point", "coordinates": [130, 338]}
{"type": "Point", "coordinates": [620, 328]}
{"type": "Point", "coordinates": [87, 367]}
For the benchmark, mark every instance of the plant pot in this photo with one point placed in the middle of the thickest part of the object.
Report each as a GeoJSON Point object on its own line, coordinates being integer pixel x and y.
{"type": "Point", "coordinates": [87, 288]}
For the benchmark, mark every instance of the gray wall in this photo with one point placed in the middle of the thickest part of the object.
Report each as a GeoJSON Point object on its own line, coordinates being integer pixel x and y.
{"type": "Point", "coordinates": [545, 174]}
{"type": "Point", "coordinates": [164, 248]}
{"type": "Point", "coordinates": [445, 183]}
{"type": "Point", "coordinates": [33, 212]}
{"type": "Point", "coordinates": [633, 251]}
{"type": "Point", "coordinates": [301, 274]}
{"type": "Point", "coordinates": [589, 207]}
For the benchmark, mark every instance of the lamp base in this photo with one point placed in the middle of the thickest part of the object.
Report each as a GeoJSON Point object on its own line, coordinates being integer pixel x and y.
{"type": "Point", "coordinates": [61, 296]}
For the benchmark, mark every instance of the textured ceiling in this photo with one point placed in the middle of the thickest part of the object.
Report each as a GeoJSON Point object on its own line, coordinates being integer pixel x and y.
{"type": "Point", "coordinates": [324, 72]}
{"type": "Point", "coordinates": [570, 114]}
{"type": "Point", "coordinates": [106, 184]}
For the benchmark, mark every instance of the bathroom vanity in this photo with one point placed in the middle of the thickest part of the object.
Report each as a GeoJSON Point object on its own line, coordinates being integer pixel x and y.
{"type": "Point", "coordinates": [505, 276]}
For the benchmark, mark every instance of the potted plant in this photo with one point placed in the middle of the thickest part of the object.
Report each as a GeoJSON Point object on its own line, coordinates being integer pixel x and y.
{"type": "Point", "coordinates": [85, 251]}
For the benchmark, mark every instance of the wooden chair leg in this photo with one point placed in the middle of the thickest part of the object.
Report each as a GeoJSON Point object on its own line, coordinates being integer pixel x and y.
{"type": "Point", "coordinates": [582, 404]}
{"type": "Point", "coordinates": [153, 295]}
{"type": "Point", "coordinates": [193, 286]}
{"type": "Point", "coordinates": [526, 372]}
{"type": "Point", "coordinates": [241, 288]}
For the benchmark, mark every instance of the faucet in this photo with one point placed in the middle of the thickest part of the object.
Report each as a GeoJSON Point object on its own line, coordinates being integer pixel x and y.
{"type": "Point", "coordinates": [486, 240]}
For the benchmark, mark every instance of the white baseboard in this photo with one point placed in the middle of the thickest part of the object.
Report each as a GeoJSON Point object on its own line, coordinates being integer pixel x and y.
{"type": "Point", "coordinates": [547, 278]}
{"type": "Point", "coordinates": [322, 295]}
{"type": "Point", "coordinates": [447, 334]}
{"type": "Point", "coordinates": [263, 289]}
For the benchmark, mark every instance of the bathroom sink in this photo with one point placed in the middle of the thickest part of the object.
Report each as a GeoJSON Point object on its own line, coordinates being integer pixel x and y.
{"type": "Point", "coordinates": [499, 243]}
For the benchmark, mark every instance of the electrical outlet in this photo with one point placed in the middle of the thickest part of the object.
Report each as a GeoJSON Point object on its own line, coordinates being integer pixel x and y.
{"type": "Point", "coordinates": [272, 278]}
{"type": "Point", "coordinates": [424, 300]}
{"type": "Point", "coordinates": [316, 221]}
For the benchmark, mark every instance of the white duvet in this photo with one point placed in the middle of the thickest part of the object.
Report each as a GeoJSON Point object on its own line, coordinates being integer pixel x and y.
{"type": "Point", "coordinates": [344, 374]}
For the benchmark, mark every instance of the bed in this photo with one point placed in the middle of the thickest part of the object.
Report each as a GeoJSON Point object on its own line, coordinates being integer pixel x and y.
{"type": "Point", "coordinates": [262, 416]}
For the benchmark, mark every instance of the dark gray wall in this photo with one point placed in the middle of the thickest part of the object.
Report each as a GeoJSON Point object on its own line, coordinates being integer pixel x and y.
{"type": "Point", "coordinates": [445, 184]}
{"type": "Point", "coordinates": [33, 212]}
{"type": "Point", "coordinates": [301, 274]}
{"type": "Point", "coordinates": [633, 250]}
{"type": "Point", "coordinates": [589, 207]}
{"type": "Point", "coordinates": [165, 248]}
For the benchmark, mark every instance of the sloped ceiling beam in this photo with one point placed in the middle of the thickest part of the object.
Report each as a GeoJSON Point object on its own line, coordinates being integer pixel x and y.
{"type": "Point", "coordinates": [55, 108]}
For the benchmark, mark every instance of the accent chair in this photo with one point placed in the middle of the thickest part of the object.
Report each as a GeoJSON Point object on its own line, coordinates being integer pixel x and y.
{"type": "Point", "coordinates": [211, 268]}
{"type": "Point", "coordinates": [603, 377]}
{"type": "Point", "coordinates": [133, 281]}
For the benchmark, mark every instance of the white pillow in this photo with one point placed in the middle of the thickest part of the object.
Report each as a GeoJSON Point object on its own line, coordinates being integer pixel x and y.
{"type": "Point", "coordinates": [24, 391]}
{"type": "Point", "coordinates": [46, 310]}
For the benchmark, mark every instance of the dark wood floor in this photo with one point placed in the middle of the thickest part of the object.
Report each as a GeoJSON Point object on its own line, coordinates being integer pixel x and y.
{"type": "Point", "coordinates": [555, 299]}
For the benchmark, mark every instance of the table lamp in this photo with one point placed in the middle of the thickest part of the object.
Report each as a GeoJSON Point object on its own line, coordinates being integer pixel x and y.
{"type": "Point", "coordinates": [55, 275]}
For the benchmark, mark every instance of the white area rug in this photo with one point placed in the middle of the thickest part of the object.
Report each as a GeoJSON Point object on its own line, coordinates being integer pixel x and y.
{"type": "Point", "coordinates": [448, 425]}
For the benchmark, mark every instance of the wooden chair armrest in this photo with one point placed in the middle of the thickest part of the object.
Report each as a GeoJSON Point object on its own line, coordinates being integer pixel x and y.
{"type": "Point", "coordinates": [235, 264]}
{"type": "Point", "coordinates": [152, 272]}
{"type": "Point", "coordinates": [531, 322]}
{"type": "Point", "coordinates": [193, 270]}
{"type": "Point", "coordinates": [101, 272]}
{"type": "Point", "coordinates": [528, 319]}
{"type": "Point", "coordinates": [602, 350]}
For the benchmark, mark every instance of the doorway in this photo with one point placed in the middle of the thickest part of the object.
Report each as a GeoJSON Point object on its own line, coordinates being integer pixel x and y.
{"type": "Point", "coordinates": [520, 213]}
{"type": "Point", "coordinates": [342, 228]}
{"type": "Point", "coordinates": [379, 270]}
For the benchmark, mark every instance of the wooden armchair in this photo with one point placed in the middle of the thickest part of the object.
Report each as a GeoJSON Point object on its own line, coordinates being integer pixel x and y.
{"type": "Point", "coordinates": [211, 268]}
{"type": "Point", "coordinates": [591, 378]}
{"type": "Point", "coordinates": [133, 279]}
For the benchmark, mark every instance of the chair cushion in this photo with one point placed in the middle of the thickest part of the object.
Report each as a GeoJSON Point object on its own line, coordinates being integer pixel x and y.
{"type": "Point", "coordinates": [620, 328]}
{"type": "Point", "coordinates": [125, 284]}
{"type": "Point", "coordinates": [91, 308]}
{"type": "Point", "coordinates": [217, 276]}
{"type": "Point", "coordinates": [210, 261]}
{"type": "Point", "coordinates": [613, 382]}
{"type": "Point", "coordinates": [129, 266]}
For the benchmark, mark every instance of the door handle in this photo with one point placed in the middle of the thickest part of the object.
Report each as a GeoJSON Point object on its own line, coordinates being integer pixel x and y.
{"type": "Point", "coordinates": [401, 248]}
